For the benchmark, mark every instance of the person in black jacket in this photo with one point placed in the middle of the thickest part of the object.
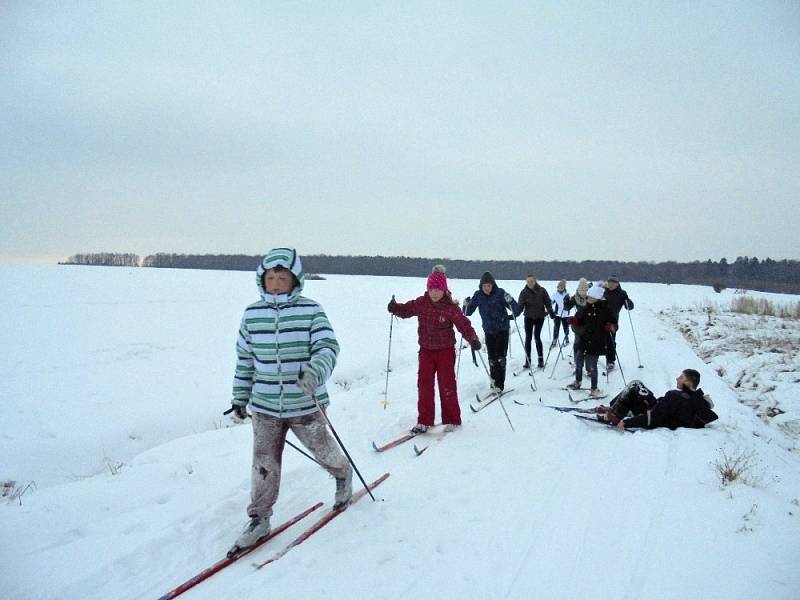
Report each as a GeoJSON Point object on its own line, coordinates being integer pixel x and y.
{"type": "Point", "coordinates": [616, 300]}
{"type": "Point", "coordinates": [686, 406]}
{"type": "Point", "coordinates": [535, 300]}
{"type": "Point", "coordinates": [594, 319]}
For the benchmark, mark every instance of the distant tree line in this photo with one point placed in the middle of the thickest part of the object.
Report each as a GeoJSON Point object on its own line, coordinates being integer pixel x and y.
{"type": "Point", "coordinates": [104, 259]}
{"type": "Point", "coordinates": [745, 272]}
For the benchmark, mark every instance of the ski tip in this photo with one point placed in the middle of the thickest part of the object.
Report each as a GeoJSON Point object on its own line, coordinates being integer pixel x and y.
{"type": "Point", "coordinates": [419, 450]}
{"type": "Point", "coordinates": [375, 446]}
{"type": "Point", "coordinates": [473, 409]}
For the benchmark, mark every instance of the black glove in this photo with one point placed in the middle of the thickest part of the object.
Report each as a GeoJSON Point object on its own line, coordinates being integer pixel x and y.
{"type": "Point", "coordinates": [552, 315]}
{"type": "Point", "coordinates": [239, 411]}
{"type": "Point", "coordinates": [392, 305]}
{"type": "Point", "coordinates": [475, 344]}
{"type": "Point", "coordinates": [508, 298]}
{"type": "Point", "coordinates": [628, 304]}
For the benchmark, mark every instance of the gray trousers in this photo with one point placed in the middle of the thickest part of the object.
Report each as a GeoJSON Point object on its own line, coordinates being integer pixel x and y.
{"type": "Point", "coordinates": [269, 437]}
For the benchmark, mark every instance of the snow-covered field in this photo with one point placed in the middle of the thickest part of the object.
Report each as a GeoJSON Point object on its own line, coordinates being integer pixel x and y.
{"type": "Point", "coordinates": [113, 381]}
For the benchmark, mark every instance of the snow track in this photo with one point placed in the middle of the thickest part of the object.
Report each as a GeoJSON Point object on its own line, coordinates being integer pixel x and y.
{"type": "Point", "coordinates": [557, 509]}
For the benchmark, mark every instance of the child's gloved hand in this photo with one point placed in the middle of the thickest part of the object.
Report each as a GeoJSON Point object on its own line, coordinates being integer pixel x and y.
{"type": "Point", "coordinates": [610, 327]}
{"type": "Point", "coordinates": [475, 344]}
{"type": "Point", "coordinates": [508, 298]}
{"type": "Point", "coordinates": [308, 383]}
{"type": "Point", "coordinates": [239, 411]}
{"type": "Point", "coordinates": [392, 305]}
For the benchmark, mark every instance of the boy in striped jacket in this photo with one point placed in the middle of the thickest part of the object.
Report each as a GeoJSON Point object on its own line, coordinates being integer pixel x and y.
{"type": "Point", "coordinates": [286, 351]}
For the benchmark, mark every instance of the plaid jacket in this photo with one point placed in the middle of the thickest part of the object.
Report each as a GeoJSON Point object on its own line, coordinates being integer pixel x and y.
{"type": "Point", "coordinates": [436, 320]}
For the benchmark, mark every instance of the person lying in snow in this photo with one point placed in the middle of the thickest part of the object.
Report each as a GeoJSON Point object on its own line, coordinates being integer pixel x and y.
{"type": "Point", "coordinates": [686, 406]}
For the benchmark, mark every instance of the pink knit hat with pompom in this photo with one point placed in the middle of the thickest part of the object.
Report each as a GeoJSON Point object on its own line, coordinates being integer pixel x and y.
{"type": "Point", "coordinates": [437, 281]}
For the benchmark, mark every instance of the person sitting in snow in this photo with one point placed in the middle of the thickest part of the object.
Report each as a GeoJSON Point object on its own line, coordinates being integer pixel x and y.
{"type": "Point", "coordinates": [686, 406]}
{"type": "Point", "coordinates": [437, 312]}
{"type": "Point", "coordinates": [492, 302]}
{"type": "Point", "coordinates": [286, 351]}
{"type": "Point", "coordinates": [594, 321]}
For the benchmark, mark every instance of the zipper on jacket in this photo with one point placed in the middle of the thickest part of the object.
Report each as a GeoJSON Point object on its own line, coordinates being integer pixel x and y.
{"type": "Point", "coordinates": [278, 353]}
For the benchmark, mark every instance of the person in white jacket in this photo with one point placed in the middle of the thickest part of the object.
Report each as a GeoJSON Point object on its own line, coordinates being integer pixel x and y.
{"type": "Point", "coordinates": [560, 312]}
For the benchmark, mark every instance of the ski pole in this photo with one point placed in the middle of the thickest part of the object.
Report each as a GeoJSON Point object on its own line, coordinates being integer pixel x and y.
{"type": "Point", "coordinates": [633, 331]}
{"type": "Point", "coordinates": [388, 363]}
{"type": "Point", "coordinates": [530, 365]}
{"type": "Point", "coordinates": [547, 359]}
{"type": "Point", "coordinates": [308, 456]}
{"type": "Point", "coordinates": [503, 406]}
{"type": "Point", "coordinates": [341, 445]}
{"type": "Point", "coordinates": [499, 399]}
{"type": "Point", "coordinates": [619, 364]}
{"type": "Point", "coordinates": [485, 368]}
{"type": "Point", "coordinates": [555, 364]}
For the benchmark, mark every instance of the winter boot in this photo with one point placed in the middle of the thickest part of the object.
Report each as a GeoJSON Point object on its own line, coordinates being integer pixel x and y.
{"type": "Point", "coordinates": [611, 366]}
{"type": "Point", "coordinates": [344, 490]}
{"type": "Point", "coordinates": [595, 393]}
{"type": "Point", "coordinates": [575, 385]}
{"type": "Point", "coordinates": [419, 428]}
{"type": "Point", "coordinates": [450, 427]}
{"type": "Point", "coordinates": [257, 528]}
{"type": "Point", "coordinates": [540, 363]}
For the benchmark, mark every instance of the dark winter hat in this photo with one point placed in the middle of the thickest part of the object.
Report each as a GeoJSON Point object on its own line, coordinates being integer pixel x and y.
{"type": "Point", "coordinates": [487, 278]}
{"type": "Point", "coordinates": [614, 279]}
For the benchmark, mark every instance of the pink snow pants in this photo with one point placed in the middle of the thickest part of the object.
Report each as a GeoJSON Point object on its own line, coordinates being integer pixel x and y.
{"type": "Point", "coordinates": [438, 364]}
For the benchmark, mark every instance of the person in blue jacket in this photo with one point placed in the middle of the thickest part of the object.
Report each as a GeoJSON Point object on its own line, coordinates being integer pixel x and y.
{"type": "Point", "coordinates": [492, 302]}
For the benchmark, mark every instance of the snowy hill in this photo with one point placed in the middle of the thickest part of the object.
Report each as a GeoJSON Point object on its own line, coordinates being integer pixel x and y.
{"type": "Point", "coordinates": [113, 382]}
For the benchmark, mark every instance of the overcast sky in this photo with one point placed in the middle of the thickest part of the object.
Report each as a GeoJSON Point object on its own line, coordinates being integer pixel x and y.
{"type": "Point", "coordinates": [516, 130]}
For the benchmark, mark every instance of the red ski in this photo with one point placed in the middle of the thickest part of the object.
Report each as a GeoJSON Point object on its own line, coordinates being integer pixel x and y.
{"type": "Point", "coordinates": [393, 443]}
{"type": "Point", "coordinates": [324, 520]}
{"type": "Point", "coordinates": [203, 575]}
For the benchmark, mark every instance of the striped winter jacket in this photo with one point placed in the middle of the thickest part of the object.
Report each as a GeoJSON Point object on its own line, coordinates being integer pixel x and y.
{"type": "Point", "coordinates": [280, 336]}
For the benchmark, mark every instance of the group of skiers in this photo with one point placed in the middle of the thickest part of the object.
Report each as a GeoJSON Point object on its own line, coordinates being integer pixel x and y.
{"type": "Point", "coordinates": [287, 350]}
